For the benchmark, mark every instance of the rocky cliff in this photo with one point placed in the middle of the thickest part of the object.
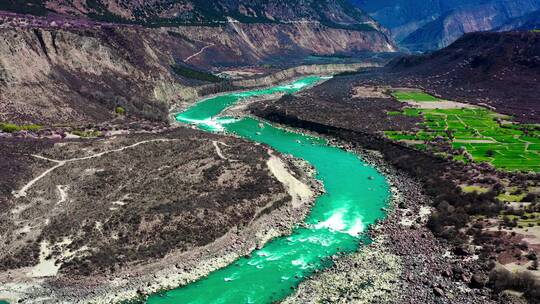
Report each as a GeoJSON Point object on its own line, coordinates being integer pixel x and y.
{"type": "Point", "coordinates": [57, 70]}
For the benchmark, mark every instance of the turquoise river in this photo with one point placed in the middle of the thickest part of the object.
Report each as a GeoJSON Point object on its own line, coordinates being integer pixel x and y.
{"type": "Point", "coordinates": [355, 195]}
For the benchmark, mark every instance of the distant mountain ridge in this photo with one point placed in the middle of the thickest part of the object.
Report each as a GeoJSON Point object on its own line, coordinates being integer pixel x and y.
{"type": "Point", "coordinates": [528, 22]}
{"type": "Point", "coordinates": [334, 13]}
{"type": "Point", "coordinates": [432, 24]}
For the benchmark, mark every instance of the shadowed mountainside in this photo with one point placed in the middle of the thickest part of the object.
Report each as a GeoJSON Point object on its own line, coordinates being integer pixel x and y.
{"type": "Point", "coordinates": [498, 69]}
{"type": "Point", "coordinates": [428, 25]}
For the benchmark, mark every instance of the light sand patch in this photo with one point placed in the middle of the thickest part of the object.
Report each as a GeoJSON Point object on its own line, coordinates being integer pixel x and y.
{"type": "Point", "coordinates": [368, 92]}
{"type": "Point", "coordinates": [406, 220]}
{"type": "Point", "coordinates": [116, 132]}
{"type": "Point", "coordinates": [62, 191]}
{"type": "Point", "coordinates": [474, 141]}
{"type": "Point", "coordinates": [441, 104]}
{"type": "Point", "coordinates": [49, 266]}
{"type": "Point", "coordinates": [240, 74]}
{"type": "Point", "coordinates": [299, 191]}
{"type": "Point", "coordinates": [412, 142]}
{"type": "Point", "coordinates": [521, 267]}
{"type": "Point", "coordinates": [424, 212]}
{"type": "Point", "coordinates": [122, 201]}
{"type": "Point", "coordinates": [45, 267]}
{"type": "Point", "coordinates": [532, 234]}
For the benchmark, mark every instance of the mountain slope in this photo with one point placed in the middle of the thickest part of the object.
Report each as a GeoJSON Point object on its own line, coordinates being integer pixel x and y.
{"type": "Point", "coordinates": [68, 69]}
{"type": "Point", "coordinates": [405, 16]}
{"type": "Point", "coordinates": [428, 25]}
{"type": "Point", "coordinates": [471, 18]}
{"type": "Point", "coordinates": [501, 70]}
{"type": "Point", "coordinates": [528, 22]}
{"type": "Point", "coordinates": [335, 13]}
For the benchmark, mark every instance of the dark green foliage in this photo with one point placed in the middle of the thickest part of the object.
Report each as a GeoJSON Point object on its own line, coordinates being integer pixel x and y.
{"type": "Point", "coordinates": [34, 7]}
{"type": "Point", "coordinates": [10, 128]}
{"type": "Point", "coordinates": [187, 72]}
{"type": "Point", "coordinates": [502, 279]}
{"type": "Point", "coordinates": [102, 14]}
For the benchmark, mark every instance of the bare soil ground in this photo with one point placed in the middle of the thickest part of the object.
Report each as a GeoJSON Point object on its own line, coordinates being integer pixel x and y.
{"type": "Point", "coordinates": [79, 214]}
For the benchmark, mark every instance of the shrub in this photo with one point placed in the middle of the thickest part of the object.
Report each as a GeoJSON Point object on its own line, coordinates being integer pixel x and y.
{"type": "Point", "coordinates": [10, 128]}
{"type": "Point", "coordinates": [530, 197]}
{"type": "Point", "coordinates": [119, 110]}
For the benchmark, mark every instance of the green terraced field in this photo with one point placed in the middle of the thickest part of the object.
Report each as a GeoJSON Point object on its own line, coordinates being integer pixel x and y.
{"type": "Point", "coordinates": [509, 146]}
{"type": "Point", "coordinates": [414, 96]}
{"type": "Point", "coordinates": [532, 219]}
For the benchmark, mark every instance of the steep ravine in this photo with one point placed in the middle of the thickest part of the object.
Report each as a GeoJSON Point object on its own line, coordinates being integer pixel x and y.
{"type": "Point", "coordinates": [77, 72]}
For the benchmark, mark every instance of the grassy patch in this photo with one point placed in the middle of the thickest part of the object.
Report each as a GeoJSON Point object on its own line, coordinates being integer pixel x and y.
{"type": "Point", "coordinates": [506, 197]}
{"type": "Point", "coordinates": [472, 189]}
{"type": "Point", "coordinates": [528, 219]}
{"type": "Point", "coordinates": [10, 128]}
{"type": "Point", "coordinates": [414, 96]}
{"type": "Point", "coordinates": [120, 110]}
{"type": "Point", "coordinates": [186, 72]}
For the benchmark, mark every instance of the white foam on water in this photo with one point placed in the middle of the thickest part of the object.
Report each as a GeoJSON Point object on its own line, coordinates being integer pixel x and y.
{"type": "Point", "coordinates": [335, 222]}
{"type": "Point", "coordinates": [226, 121]}
{"type": "Point", "coordinates": [232, 277]}
{"type": "Point", "coordinates": [357, 228]}
{"type": "Point", "coordinates": [253, 262]}
{"type": "Point", "coordinates": [323, 241]}
{"type": "Point", "coordinates": [213, 123]}
{"type": "Point", "coordinates": [274, 257]}
{"type": "Point", "coordinates": [299, 262]}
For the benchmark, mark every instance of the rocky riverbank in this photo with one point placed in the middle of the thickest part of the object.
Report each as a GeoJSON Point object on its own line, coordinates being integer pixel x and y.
{"type": "Point", "coordinates": [405, 263]}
